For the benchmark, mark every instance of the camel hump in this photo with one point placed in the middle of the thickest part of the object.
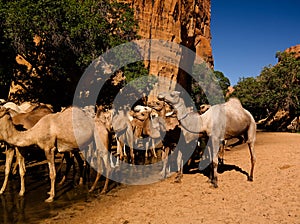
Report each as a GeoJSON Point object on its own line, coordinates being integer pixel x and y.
{"type": "Point", "coordinates": [235, 101]}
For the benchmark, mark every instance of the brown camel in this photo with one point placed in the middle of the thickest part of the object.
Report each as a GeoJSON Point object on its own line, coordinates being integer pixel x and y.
{"type": "Point", "coordinates": [23, 121]}
{"type": "Point", "coordinates": [171, 137]}
{"type": "Point", "coordinates": [64, 131]}
{"type": "Point", "coordinates": [147, 125]}
{"type": "Point", "coordinates": [220, 122]}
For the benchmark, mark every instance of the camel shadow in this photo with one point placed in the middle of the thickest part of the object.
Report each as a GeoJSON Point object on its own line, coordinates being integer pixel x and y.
{"type": "Point", "coordinates": [222, 167]}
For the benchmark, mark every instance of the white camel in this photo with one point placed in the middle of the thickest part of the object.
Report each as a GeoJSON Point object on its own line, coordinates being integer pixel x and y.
{"type": "Point", "coordinates": [220, 122]}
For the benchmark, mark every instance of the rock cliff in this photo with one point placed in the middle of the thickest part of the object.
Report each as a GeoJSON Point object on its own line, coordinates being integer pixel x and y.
{"type": "Point", "coordinates": [295, 49]}
{"type": "Point", "coordinates": [185, 22]}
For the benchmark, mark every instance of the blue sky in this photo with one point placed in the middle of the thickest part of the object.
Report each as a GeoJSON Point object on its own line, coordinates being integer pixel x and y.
{"type": "Point", "coordinates": [246, 34]}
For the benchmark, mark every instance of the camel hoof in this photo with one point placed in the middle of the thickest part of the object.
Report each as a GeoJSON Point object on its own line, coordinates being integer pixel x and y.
{"type": "Point", "coordinates": [49, 200]}
{"type": "Point", "coordinates": [21, 194]}
{"type": "Point", "coordinates": [214, 184]}
{"type": "Point", "coordinates": [162, 174]}
{"type": "Point", "coordinates": [103, 192]}
{"type": "Point", "coordinates": [1, 192]}
{"type": "Point", "coordinates": [177, 180]}
{"type": "Point", "coordinates": [250, 178]}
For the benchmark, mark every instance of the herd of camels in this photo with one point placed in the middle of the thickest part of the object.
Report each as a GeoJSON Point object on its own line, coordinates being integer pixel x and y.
{"type": "Point", "coordinates": [156, 125]}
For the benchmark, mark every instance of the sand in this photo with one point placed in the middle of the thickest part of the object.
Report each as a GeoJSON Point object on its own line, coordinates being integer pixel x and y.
{"type": "Point", "coordinates": [273, 196]}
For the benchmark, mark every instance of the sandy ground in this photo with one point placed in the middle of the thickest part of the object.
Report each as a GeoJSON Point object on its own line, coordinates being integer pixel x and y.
{"type": "Point", "coordinates": [273, 196]}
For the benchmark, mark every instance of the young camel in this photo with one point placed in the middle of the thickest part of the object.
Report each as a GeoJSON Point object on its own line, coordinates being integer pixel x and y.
{"type": "Point", "coordinates": [64, 131]}
{"type": "Point", "coordinates": [220, 122]}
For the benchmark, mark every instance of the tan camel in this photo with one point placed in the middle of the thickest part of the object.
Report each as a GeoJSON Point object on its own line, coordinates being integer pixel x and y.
{"type": "Point", "coordinates": [124, 134]}
{"type": "Point", "coordinates": [103, 127]}
{"type": "Point", "coordinates": [64, 131]}
{"type": "Point", "coordinates": [24, 121]}
{"type": "Point", "coordinates": [220, 122]}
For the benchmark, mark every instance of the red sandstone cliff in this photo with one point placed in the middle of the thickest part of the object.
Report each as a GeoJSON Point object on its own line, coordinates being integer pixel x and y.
{"type": "Point", "coordinates": [185, 22]}
{"type": "Point", "coordinates": [295, 49]}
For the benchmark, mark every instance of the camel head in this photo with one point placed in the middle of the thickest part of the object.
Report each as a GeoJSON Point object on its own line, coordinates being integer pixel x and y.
{"type": "Point", "coordinates": [5, 118]}
{"type": "Point", "coordinates": [105, 117]}
{"type": "Point", "coordinates": [156, 105]}
{"type": "Point", "coordinates": [170, 97]}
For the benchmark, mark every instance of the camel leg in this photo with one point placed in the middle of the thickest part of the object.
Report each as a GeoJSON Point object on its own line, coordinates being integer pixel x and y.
{"type": "Point", "coordinates": [52, 173]}
{"type": "Point", "coordinates": [69, 163]}
{"type": "Point", "coordinates": [108, 171]}
{"type": "Point", "coordinates": [14, 170]}
{"type": "Point", "coordinates": [9, 155]}
{"type": "Point", "coordinates": [153, 148]}
{"type": "Point", "coordinates": [165, 153]}
{"type": "Point", "coordinates": [22, 170]}
{"type": "Point", "coordinates": [214, 148]}
{"type": "Point", "coordinates": [96, 180]}
{"type": "Point", "coordinates": [222, 152]}
{"type": "Point", "coordinates": [104, 156]}
{"type": "Point", "coordinates": [119, 152]}
{"type": "Point", "coordinates": [179, 167]}
{"type": "Point", "coordinates": [251, 139]}
{"type": "Point", "coordinates": [253, 160]}
{"type": "Point", "coordinates": [80, 164]}
{"type": "Point", "coordinates": [146, 149]}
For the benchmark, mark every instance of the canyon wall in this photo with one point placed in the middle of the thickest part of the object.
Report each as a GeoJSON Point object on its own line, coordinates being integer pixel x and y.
{"type": "Point", "coordinates": [184, 22]}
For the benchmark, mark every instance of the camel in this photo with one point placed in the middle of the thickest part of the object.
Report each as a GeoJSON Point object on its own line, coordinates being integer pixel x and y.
{"type": "Point", "coordinates": [170, 124]}
{"type": "Point", "coordinates": [203, 108]}
{"type": "Point", "coordinates": [124, 134]}
{"type": "Point", "coordinates": [103, 127]}
{"type": "Point", "coordinates": [65, 131]}
{"type": "Point", "coordinates": [172, 134]}
{"type": "Point", "coordinates": [23, 121]}
{"type": "Point", "coordinates": [220, 122]}
{"type": "Point", "coordinates": [148, 125]}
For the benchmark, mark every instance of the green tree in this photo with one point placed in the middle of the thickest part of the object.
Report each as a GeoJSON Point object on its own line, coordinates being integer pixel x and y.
{"type": "Point", "coordinates": [281, 89]}
{"type": "Point", "coordinates": [250, 92]}
{"type": "Point", "coordinates": [213, 83]}
{"type": "Point", "coordinates": [277, 87]}
{"type": "Point", "coordinates": [6, 58]}
{"type": "Point", "coordinates": [70, 35]}
{"type": "Point", "coordinates": [223, 81]}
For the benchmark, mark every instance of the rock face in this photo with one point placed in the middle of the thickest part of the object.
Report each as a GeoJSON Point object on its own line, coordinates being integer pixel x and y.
{"type": "Point", "coordinates": [295, 49]}
{"type": "Point", "coordinates": [185, 22]}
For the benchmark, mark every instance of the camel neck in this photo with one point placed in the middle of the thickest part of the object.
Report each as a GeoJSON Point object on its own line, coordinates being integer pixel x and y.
{"type": "Point", "coordinates": [181, 109]}
{"type": "Point", "coordinates": [14, 137]}
{"type": "Point", "coordinates": [189, 120]}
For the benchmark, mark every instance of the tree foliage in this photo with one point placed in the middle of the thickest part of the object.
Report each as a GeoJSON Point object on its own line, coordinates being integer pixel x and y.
{"type": "Point", "coordinates": [277, 87]}
{"type": "Point", "coordinates": [60, 39]}
{"type": "Point", "coordinates": [210, 87]}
